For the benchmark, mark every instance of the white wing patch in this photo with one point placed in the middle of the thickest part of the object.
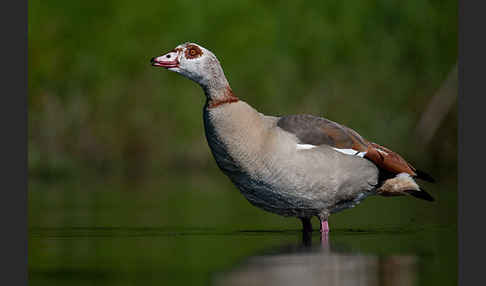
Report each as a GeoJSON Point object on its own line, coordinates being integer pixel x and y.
{"type": "Point", "coordinates": [345, 151]}
{"type": "Point", "coordinates": [305, 146]}
{"type": "Point", "coordinates": [351, 152]}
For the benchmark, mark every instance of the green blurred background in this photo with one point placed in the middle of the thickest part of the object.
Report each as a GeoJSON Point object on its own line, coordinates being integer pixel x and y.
{"type": "Point", "coordinates": [117, 147]}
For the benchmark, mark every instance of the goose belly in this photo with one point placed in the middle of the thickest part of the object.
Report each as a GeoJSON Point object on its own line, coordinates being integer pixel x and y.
{"type": "Point", "coordinates": [258, 182]}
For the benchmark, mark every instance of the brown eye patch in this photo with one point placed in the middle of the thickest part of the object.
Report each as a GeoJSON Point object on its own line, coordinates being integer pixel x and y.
{"type": "Point", "coordinates": [193, 52]}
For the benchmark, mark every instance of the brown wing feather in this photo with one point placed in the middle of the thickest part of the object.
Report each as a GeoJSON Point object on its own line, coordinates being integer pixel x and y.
{"type": "Point", "coordinates": [388, 160]}
{"type": "Point", "coordinates": [319, 131]}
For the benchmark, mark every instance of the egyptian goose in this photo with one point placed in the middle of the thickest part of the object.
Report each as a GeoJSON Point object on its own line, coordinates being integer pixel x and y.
{"type": "Point", "coordinates": [294, 165]}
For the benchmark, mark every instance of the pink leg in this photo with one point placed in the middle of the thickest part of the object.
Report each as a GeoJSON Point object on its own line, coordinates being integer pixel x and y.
{"type": "Point", "coordinates": [324, 234]}
{"type": "Point", "coordinates": [324, 226]}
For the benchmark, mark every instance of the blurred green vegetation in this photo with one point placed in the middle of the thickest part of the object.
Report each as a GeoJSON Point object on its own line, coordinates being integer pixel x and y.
{"type": "Point", "coordinates": [96, 106]}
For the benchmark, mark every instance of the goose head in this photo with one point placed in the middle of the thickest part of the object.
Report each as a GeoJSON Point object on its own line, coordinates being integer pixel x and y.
{"type": "Point", "coordinates": [194, 62]}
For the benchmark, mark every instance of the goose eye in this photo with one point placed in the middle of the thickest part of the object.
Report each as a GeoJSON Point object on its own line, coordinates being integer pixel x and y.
{"type": "Point", "coordinates": [193, 52]}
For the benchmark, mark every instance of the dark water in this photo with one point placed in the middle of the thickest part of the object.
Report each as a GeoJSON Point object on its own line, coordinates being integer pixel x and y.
{"type": "Point", "coordinates": [201, 231]}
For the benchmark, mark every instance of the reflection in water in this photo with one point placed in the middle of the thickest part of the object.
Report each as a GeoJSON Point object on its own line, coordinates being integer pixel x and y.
{"type": "Point", "coordinates": [321, 264]}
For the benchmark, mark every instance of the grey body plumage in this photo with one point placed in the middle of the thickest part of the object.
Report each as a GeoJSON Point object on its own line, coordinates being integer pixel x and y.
{"type": "Point", "coordinates": [261, 159]}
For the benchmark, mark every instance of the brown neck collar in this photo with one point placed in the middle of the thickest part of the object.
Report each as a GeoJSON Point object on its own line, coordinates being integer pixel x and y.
{"type": "Point", "coordinates": [228, 97]}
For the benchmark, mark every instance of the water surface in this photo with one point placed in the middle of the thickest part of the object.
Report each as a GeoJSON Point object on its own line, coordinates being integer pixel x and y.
{"type": "Point", "coordinates": [200, 231]}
